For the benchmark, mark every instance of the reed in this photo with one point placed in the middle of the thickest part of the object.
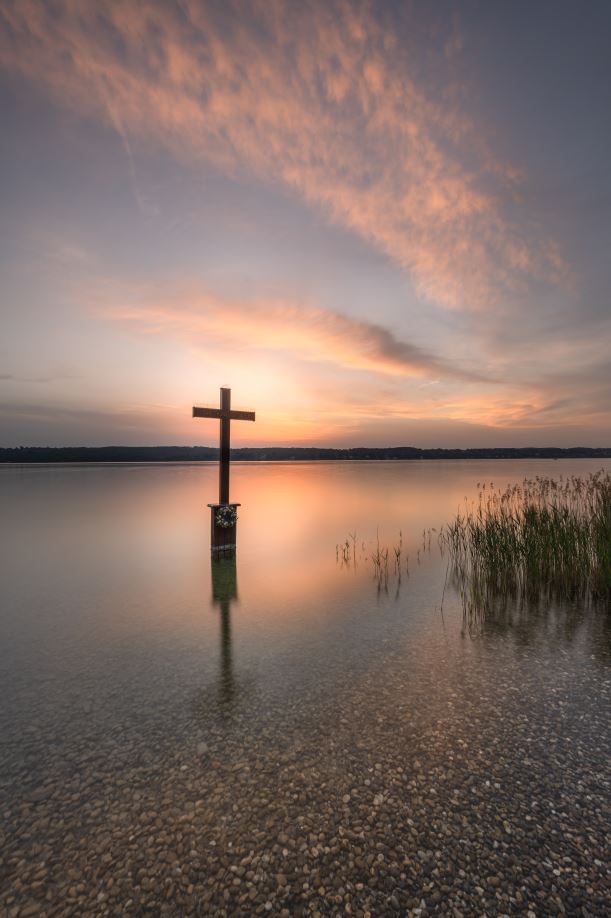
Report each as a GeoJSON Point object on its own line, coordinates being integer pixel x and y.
{"type": "Point", "coordinates": [541, 540]}
{"type": "Point", "coordinates": [379, 559]}
{"type": "Point", "coordinates": [346, 556]}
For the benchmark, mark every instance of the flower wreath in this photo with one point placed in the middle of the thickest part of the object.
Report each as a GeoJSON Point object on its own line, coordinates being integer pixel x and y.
{"type": "Point", "coordinates": [226, 517]}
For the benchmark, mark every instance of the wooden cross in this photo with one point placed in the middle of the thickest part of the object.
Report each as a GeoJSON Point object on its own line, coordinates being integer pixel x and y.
{"type": "Point", "coordinates": [225, 415]}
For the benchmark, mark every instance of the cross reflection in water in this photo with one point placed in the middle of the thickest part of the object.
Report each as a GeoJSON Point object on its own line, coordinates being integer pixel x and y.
{"type": "Point", "coordinates": [224, 592]}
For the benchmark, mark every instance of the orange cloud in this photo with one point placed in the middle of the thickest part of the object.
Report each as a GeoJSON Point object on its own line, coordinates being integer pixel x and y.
{"type": "Point", "coordinates": [303, 332]}
{"type": "Point", "coordinates": [319, 98]}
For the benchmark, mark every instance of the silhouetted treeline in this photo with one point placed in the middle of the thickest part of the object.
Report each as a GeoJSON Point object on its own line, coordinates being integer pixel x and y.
{"type": "Point", "coordinates": [281, 453]}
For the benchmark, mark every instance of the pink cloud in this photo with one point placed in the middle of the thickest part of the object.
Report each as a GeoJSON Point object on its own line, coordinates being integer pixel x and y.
{"type": "Point", "coordinates": [300, 331]}
{"type": "Point", "coordinates": [318, 98]}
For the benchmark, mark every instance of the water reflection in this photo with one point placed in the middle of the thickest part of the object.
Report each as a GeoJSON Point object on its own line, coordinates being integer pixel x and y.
{"type": "Point", "coordinates": [224, 578]}
{"type": "Point", "coordinates": [541, 621]}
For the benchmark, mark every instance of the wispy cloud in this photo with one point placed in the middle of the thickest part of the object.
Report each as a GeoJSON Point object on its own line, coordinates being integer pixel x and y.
{"type": "Point", "coordinates": [55, 247]}
{"type": "Point", "coordinates": [44, 422]}
{"type": "Point", "coordinates": [321, 98]}
{"type": "Point", "coordinates": [47, 378]}
{"type": "Point", "coordinates": [300, 331]}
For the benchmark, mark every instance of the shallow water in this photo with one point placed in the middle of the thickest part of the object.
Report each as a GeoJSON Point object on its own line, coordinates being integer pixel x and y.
{"type": "Point", "coordinates": [279, 732]}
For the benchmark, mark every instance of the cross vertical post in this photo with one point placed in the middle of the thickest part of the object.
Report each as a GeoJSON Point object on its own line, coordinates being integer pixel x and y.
{"type": "Point", "coordinates": [225, 440]}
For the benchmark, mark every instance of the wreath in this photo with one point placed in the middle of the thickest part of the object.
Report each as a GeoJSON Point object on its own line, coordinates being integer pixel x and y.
{"type": "Point", "coordinates": [226, 517]}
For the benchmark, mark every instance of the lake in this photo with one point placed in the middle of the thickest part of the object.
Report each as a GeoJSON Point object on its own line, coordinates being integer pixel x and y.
{"type": "Point", "coordinates": [284, 734]}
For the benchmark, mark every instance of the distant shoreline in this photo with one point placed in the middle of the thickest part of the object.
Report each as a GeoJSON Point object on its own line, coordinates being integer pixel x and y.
{"type": "Point", "coordinates": [67, 454]}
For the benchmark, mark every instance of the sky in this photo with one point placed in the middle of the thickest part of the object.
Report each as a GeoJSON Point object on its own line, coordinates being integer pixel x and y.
{"type": "Point", "coordinates": [379, 223]}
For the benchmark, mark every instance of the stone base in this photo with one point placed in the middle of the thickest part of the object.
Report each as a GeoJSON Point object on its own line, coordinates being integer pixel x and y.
{"type": "Point", "coordinates": [221, 539]}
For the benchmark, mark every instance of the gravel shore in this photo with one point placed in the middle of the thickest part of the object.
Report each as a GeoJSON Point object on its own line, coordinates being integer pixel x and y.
{"type": "Point", "coordinates": [470, 779]}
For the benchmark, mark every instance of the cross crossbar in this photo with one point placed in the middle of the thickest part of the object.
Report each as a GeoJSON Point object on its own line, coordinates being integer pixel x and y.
{"type": "Point", "coordinates": [220, 414]}
{"type": "Point", "coordinates": [225, 415]}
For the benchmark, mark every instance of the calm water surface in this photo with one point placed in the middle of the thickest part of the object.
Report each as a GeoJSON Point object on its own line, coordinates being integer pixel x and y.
{"type": "Point", "coordinates": [278, 734]}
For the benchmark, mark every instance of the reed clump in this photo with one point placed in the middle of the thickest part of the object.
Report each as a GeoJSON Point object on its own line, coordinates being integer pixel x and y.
{"type": "Point", "coordinates": [543, 539]}
{"type": "Point", "coordinates": [349, 553]}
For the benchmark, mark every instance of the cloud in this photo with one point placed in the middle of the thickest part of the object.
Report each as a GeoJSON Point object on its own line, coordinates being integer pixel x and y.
{"type": "Point", "coordinates": [300, 331]}
{"type": "Point", "coordinates": [43, 422]}
{"type": "Point", "coordinates": [48, 378]}
{"type": "Point", "coordinates": [321, 98]}
{"type": "Point", "coordinates": [265, 339]}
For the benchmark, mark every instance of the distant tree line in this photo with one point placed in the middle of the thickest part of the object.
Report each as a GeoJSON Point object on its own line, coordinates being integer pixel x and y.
{"type": "Point", "coordinates": [282, 453]}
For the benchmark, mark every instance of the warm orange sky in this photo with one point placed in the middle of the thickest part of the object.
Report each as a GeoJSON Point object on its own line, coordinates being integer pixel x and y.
{"type": "Point", "coordinates": [379, 223]}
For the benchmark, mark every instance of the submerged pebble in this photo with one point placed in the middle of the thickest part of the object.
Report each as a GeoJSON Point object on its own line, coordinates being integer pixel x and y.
{"type": "Point", "coordinates": [483, 790]}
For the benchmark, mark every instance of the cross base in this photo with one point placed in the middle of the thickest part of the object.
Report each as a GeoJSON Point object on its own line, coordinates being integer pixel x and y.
{"type": "Point", "coordinates": [222, 539]}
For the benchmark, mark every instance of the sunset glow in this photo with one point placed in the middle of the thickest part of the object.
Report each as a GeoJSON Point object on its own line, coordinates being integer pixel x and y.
{"type": "Point", "coordinates": [379, 223]}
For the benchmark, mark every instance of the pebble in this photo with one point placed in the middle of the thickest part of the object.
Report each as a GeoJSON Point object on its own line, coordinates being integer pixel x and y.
{"type": "Point", "coordinates": [480, 791]}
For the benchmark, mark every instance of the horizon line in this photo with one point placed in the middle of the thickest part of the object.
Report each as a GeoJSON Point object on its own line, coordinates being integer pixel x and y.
{"type": "Point", "coordinates": [294, 446]}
